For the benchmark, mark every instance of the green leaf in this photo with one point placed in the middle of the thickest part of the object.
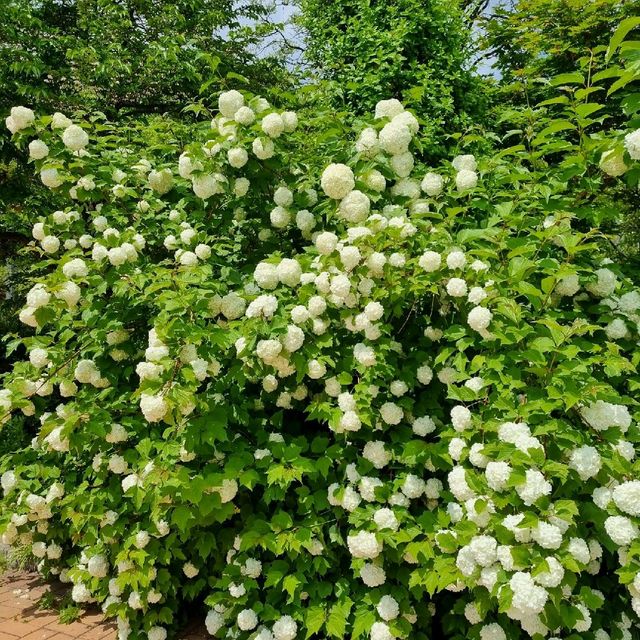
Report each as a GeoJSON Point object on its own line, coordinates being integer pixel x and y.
{"type": "Point", "coordinates": [338, 616]}
{"type": "Point", "coordinates": [314, 619]}
{"type": "Point", "coordinates": [585, 110]}
{"type": "Point", "coordinates": [567, 78]}
{"type": "Point", "coordinates": [363, 620]}
{"type": "Point", "coordinates": [290, 584]}
{"type": "Point", "coordinates": [181, 517]}
{"type": "Point", "coordinates": [619, 35]}
{"type": "Point", "coordinates": [232, 75]}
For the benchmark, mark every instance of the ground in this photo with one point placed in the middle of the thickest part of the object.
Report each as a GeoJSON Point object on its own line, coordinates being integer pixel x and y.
{"type": "Point", "coordinates": [22, 619]}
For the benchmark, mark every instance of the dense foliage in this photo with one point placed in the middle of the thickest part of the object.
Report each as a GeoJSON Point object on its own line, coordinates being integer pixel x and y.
{"type": "Point", "coordinates": [303, 368]}
{"type": "Point", "coordinates": [535, 40]}
{"type": "Point", "coordinates": [130, 61]}
{"type": "Point", "coordinates": [329, 389]}
{"type": "Point", "coordinates": [142, 55]}
{"type": "Point", "coordinates": [411, 50]}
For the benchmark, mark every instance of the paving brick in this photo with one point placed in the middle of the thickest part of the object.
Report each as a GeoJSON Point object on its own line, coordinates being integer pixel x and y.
{"type": "Point", "coordinates": [93, 619]}
{"type": "Point", "coordinates": [41, 634]}
{"type": "Point", "coordinates": [98, 633]}
{"type": "Point", "coordinates": [7, 611]}
{"type": "Point", "coordinates": [74, 629]}
{"type": "Point", "coordinates": [19, 628]}
{"type": "Point", "coordinates": [20, 618]}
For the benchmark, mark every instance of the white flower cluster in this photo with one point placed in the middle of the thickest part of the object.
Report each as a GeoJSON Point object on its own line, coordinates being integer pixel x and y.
{"type": "Point", "coordinates": [349, 328]}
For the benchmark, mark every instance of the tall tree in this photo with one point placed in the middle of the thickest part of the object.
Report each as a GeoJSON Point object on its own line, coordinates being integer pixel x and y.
{"type": "Point", "coordinates": [145, 55]}
{"type": "Point", "coordinates": [414, 50]}
{"type": "Point", "coordinates": [539, 39]}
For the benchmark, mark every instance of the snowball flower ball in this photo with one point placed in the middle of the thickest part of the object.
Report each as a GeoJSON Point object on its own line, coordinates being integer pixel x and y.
{"type": "Point", "coordinates": [388, 608]}
{"type": "Point", "coordinates": [283, 197]}
{"type": "Point", "coordinates": [367, 143]}
{"type": "Point", "coordinates": [423, 426]}
{"type": "Point", "coordinates": [380, 631]}
{"type": "Point", "coordinates": [50, 244]}
{"type": "Point", "coordinates": [8, 481]}
{"type": "Point", "coordinates": [98, 566]}
{"type": "Point", "coordinates": [585, 461]}
{"type": "Point", "coordinates": [51, 178]}
{"type": "Point", "coordinates": [355, 206]}
{"type": "Point", "coordinates": [244, 115]}
{"type": "Point", "coordinates": [460, 418]}
{"type": "Point", "coordinates": [263, 148]}
{"type": "Point", "coordinates": [273, 125]}
{"type": "Point", "coordinates": [364, 544]}
{"type": "Point", "coordinates": [205, 186]}
{"type": "Point", "coordinates": [374, 451]}
{"type": "Point", "coordinates": [388, 108]}
{"type": "Point", "coordinates": [285, 628]}
{"type": "Point", "coordinates": [20, 118]}
{"type": "Point", "coordinates": [626, 497]}
{"type": "Point", "coordinates": [38, 296]}
{"type": "Point", "coordinates": [613, 164]}
{"type": "Point", "coordinates": [161, 181]}
{"type": "Point", "coordinates": [391, 413]}
{"type": "Point", "coordinates": [479, 318]}
{"type": "Point", "coordinates": [395, 138]}
{"type": "Point", "coordinates": [457, 287]}
{"type": "Point", "coordinates": [75, 138]}
{"type": "Point", "coordinates": [141, 539]}
{"type": "Point", "coordinates": [621, 530]}
{"type": "Point", "coordinates": [385, 519]}
{"type": "Point", "coordinates": [153, 407]}
{"type": "Point", "coordinates": [497, 474]}
{"type": "Point", "coordinates": [464, 162]}
{"type": "Point", "coordinates": [372, 575]}
{"type": "Point", "coordinates": [247, 620]}
{"type": "Point", "coordinates": [76, 268]}
{"type": "Point", "coordinates": [230, 102]}
{"type": "Point", "coordinates": [605, 284]}
{"type": "Point", "coordinates": [326, 242]}
{"type": "Point", "coordinates": [466, 180]}
{"type": "Point", "coordinates": [279, 217]}
{"type": "Point", "coordinates": [534, 487]}
{"type": "Point", "coordinates": [432, 184]}
{"type": "Point", "coordinates": [492, 631]}
{"type": "Point", "coordinates": [337, 181]}
{"type": "Point", "coordinates": [632, 144]}
{"type": "Point", "coordinates": [237, 157]}
{"type": "Point", "coordinates": [290, 121]}
{"type": "Point", "coordinates": [39, 357]}
{"type": "Point", "coordinates": [266, 275]}
{"type": "Point", "coordinates": [289, 272]}
{"type": "Point", "coordinates": [157, 633]}
{"type": "Point", "coordinates": [430, 261]}
{"type": "Point", "coordinates": [305, 220]}
{"type": "Point", "coordinates": [38, 150]}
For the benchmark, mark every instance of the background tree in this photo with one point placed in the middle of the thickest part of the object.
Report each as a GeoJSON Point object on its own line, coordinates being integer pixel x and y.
{"type": "Point", "coordinates": [412, 50]}
{"type": "Point", "coordinates": [535, 40]}
{"type": "Point", "coordinates": [143, 55]}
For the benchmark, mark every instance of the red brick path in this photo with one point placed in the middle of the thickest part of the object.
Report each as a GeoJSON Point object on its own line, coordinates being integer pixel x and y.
{"type": "Point", "coordinates": [20, 618]}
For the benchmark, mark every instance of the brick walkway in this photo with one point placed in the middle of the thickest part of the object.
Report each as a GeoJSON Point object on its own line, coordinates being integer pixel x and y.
{"type": "Point", "coordinates": [21, 619]}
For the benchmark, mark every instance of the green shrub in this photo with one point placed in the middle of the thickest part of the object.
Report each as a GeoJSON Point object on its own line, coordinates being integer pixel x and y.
{"type": "Point", "coordinates": [333, 394]}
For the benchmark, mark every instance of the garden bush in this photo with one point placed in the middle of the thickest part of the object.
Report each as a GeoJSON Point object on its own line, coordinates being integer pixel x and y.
{"type": "Point", "coordinates": [333, 395]}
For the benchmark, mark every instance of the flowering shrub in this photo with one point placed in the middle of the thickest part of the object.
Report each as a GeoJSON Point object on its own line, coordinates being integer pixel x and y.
{"type": "Point", "coordinates": [362, 402]}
